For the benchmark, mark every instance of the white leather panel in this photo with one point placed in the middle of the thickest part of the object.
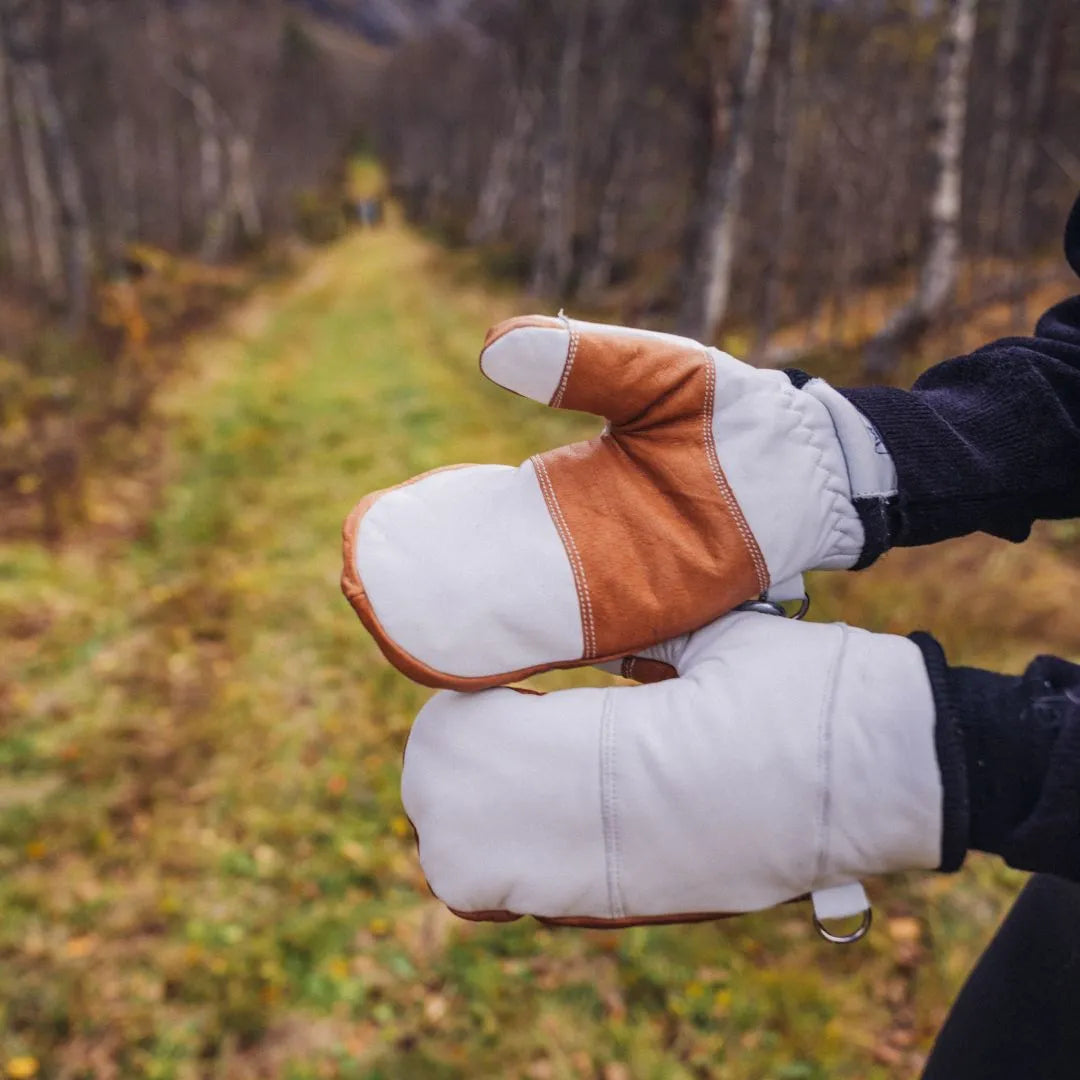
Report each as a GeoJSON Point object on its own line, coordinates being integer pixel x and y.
{"type": "Point", "coordinates": [840, 901]}
{"type": "Point", "coordinates": [503, 789]}
{"type": "Point", "coordinates": [466, 572]}
{"type": "Point", "coordinates": [870, 465]}
{"type": "Point", "coordinates": [779, 451]}
{"type": "Point", "coordinates": [529, 361]}
{"type": "Point", "coordinates": [876, 825]}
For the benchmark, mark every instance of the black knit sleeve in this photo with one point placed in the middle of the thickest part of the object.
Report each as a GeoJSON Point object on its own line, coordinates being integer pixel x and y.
{"type": "Point", "coordinates": [985, 442]}
{"type": "Point", "coordinates": [1009, 752]}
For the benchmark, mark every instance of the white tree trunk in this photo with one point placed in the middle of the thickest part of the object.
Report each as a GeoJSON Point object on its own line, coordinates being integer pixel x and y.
{"type": "Point", "coordinates": [74, 218]}
{"type": "Point", "coordinates": [787, 137]}
{"type": "Point", "coordinates": [597, 274]}
{"type": "Point", "coordinates": [615, 144]}
{"type": "Point", "coordinates": [497, 193]}
{"type": "Point", "coordinates": [554, 260]}
{"type": "Point", "coordinates": [245, 202]}
{"type": "Point", "coordinates": [941, 263]}
{"type": "Point", "coordinates": [1015, 200]}
{"type": "Point", "coordinates": [43, 211]}
{"type": "Point", "coordinates": [213, 183]}
{"type": "Point", "coordinates": [708, 281]}
{"type": "Point", "coordinates": [995, 180]}
{"type": "Point", "coordinates": [17, 244]}
{"type": "Point", "coordinates": [127, 175]}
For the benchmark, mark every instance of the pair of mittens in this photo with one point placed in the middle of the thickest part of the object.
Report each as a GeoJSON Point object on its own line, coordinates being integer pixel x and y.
{"type": "Point", "coordinates": [769, 761]}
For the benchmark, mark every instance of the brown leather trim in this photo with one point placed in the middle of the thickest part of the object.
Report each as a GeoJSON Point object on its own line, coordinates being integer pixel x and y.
{"type": "Point", "coordinates": [588, 922]}
{"type": "Point", "coordinates": [485, 916]}
{"type": "Point", "coordinates": [517, 323]}
{"type": "Point", "coordinates": [405, 662]}
{"type": "Point", "coordinates": [643, 670]}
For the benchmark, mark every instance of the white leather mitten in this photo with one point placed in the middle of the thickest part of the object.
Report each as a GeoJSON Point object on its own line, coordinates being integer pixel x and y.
{"type": "Point", "coordinates": [713, 483]}
{"type": "Point", "coordinates": [785, 759]}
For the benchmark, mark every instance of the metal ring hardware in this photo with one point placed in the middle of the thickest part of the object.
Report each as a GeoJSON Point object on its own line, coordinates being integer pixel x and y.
{"type": "Point", "coordinates": [846, 939]}
{"type": "Point", "coordinates": [771, 607]}
{"type": "Point", "coordinates": [765, 607]}
{"type": "Point", "coordinates": [804, 607]}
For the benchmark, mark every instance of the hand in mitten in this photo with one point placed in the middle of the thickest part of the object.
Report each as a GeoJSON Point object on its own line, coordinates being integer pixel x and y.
{"type": "Point", "coordinates": [785, 759]}
{"type": "Point", "coordinates": [713, 483]}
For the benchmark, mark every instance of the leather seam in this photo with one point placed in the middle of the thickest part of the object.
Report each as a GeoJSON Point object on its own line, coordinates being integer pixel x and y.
{"type": "Point", "coordinates": [609, 811]}
{"type": "Point", "coordinates": [560, 390]}
{"type": "Point", "coordinates": [580, 582]}
{"type": "Point", "coordinates": [824, 808]}
{"type": "Point", "coordinates": [761, 571]}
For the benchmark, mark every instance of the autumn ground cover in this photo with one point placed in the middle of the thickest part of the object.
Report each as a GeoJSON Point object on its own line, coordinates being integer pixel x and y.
{"type": "Point", "coordinates": [204, 868]}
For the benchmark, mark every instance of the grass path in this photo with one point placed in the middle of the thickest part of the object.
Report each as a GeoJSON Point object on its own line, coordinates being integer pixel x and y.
{"type": "Point", "coordinates": [204, 870]}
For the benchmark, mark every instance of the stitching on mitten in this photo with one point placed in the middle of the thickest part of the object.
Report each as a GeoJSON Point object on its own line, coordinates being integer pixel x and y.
{"type": "Point", "coordinates": [560, 391]}
{"type": "Point", "coordinates": [609, 810]}
{"type": "Point", "coordinates": [824, 763]}
{"type": "Point", "coordinates": [761, 571]}
{"type": "Point", "coordinates": [836, 496]}
{"type": "Point", "coordinates": [588, 628]}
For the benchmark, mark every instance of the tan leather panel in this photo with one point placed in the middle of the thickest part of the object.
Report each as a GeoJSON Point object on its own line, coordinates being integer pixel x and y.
{"type": "Point", "coordinates": [658, 542]}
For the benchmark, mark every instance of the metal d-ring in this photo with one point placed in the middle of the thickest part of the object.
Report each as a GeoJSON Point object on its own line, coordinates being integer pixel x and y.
{"type": "Point", "coordinates": [846, 939]}
{"type": "Point", "coordinates": [764, 607]}
{"type": "Point", "coordinates": [804, 607]}
{"type": "Point", "coordinates": [771, 607]}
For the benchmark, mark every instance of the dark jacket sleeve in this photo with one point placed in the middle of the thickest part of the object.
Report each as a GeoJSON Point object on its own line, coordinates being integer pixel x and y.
{"type": "Point", "coordinates": [986, 442]}
{"type": "Point", "coordinates": [1009, 751]}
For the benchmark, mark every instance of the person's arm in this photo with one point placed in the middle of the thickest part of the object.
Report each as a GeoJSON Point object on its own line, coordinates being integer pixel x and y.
{"type": "Point", "coordinates": [986, 442]}
{"type": "Point", "coordinates": [1008, 747]}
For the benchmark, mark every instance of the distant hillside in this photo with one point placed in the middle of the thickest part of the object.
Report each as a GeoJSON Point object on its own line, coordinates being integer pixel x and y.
{"type": "Point", "coordinates": [383, 22]}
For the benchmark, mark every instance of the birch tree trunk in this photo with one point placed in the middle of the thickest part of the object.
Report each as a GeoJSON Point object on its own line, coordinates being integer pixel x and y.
{"type": "Point", "coordinates": [1003, 113]}
{"type": "Point", "coordinates": [43, 212]}
{"type": "Point", "coordinates": [213, 185]}
{"type": "Point", "coordinates": [707, 276]}
{"type": "Point", "coordinates": [1018, 183]}
{"type": "Point", "coordinates": [940, 266]}
{"type": "Point", "coordinates": [497, 193]}
{"type": "Point", "coordinates": [17, 245]}
{"type": "Point", "coordinates": [596, 276]}
{"type": "Point", "coordinates": [554, 258]}
{"type": "Point", "coordinates": [74, 219]}
{"type": "Point", "coordinates": [242, 196]}
{"type": "Point", "coordinates": [790, 95]}
{"type": "Point", "coordinates": [127, 175]}
{"type": "Point", "coordinates": [1016, 196]}
{"type": "Point", "coordinates": [614, 140]}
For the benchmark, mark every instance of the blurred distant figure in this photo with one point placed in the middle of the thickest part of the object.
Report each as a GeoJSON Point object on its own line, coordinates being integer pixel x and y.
{"type": "Point", "coordinates": [368, 212]}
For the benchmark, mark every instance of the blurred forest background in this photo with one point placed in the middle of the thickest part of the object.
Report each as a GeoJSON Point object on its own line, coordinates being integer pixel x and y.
{"type": "Point", "coordinates": [248, 251]}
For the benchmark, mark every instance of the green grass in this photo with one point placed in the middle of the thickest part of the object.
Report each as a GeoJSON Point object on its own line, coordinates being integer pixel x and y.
{"type": "Point", "coordinates": [204, 868]}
